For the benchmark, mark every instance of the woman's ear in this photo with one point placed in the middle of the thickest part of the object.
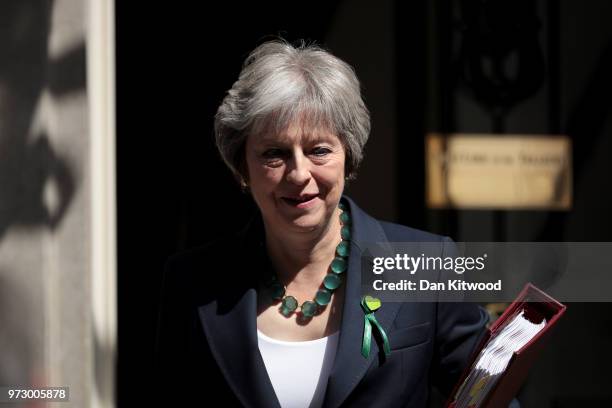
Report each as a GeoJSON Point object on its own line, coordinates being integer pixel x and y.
{"type": "Point", "coordinates": [244, 186]}
{"type": "Point", "coordinates": [242, 174]}
{"type": "Point", "coordinates": [243, 181]}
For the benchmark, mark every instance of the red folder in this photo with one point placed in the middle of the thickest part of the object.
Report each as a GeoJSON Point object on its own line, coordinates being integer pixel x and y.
{"type": "Point", "coordinates": [536, 305]}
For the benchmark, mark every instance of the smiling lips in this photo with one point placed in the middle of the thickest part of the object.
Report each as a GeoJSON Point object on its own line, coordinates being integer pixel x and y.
{"type": "Point", "coordinates": [301, 201]}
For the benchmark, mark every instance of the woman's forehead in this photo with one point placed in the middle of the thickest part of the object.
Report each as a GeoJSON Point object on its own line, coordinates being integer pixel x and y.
{"type": "Point", "coordinates": [298, 133]}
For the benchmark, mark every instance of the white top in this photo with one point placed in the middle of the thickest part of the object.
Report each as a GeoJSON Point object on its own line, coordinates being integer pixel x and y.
{"type": "Point", "coordinates": [298, 370]}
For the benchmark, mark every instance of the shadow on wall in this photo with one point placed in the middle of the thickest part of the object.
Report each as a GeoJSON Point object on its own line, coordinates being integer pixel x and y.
{"type": "Point", "coordinates": [36, 185]}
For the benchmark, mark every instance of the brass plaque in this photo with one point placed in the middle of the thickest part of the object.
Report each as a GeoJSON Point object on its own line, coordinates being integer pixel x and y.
{"type": "Point", "coordinates": [488, 171]}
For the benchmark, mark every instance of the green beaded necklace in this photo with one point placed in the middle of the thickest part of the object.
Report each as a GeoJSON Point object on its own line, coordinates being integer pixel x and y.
{"type": "Point", "coordinates": [331, 282]}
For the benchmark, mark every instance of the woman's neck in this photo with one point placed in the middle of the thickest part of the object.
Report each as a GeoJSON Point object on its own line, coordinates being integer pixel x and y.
{"type": "Point", "coordinates": [303, 257]}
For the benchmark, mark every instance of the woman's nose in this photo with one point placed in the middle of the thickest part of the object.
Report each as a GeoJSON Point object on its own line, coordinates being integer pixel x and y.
{"type": "Point", "coordinates": [299, 170]}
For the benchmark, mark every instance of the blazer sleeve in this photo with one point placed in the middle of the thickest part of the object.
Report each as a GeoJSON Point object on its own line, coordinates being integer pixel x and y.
{"type": "Point", "coordinates": [459, 328]}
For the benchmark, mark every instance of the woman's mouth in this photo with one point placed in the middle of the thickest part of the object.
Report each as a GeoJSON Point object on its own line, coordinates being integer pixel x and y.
{"type": "Point", "coordinates": [302, 201]}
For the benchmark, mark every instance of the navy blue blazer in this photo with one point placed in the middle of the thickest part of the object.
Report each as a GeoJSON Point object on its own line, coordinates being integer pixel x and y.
{"type": "Point", "coordinates": [207, 335]}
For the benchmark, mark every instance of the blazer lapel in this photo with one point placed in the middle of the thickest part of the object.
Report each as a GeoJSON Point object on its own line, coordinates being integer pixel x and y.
{"type": "Point", "coordinates": [232, 336]}
{"type": "Point", "coordinates": [350, 366]}
{"type": "Point", "coordinates": [230, 326]}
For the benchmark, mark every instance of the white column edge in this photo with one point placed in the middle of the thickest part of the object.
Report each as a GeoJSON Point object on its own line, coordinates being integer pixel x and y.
{"type": "Point", "coordinates": [100, 20]}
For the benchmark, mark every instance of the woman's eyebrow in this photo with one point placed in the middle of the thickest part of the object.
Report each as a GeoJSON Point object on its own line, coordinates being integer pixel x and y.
{"type": "Point", "coordinates": [318, 138]}
{"type": "Point", "coordinates": [273, 143]}
{"type": "Point", "coordinates": [282, 139]}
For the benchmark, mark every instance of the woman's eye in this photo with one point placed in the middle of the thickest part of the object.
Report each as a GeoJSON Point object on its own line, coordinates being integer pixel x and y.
{"type": "Point", "coordinates": [272, 153]}
{"type": "Point", "coordinates": [320, 151]}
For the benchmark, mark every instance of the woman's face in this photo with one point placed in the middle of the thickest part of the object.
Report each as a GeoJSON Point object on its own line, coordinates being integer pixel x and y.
{"type": "Point", "coordinates": [296, 177]}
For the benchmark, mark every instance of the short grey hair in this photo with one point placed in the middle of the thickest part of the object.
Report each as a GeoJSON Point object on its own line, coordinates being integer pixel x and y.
{"type": "Point", "coordinates": [280, 84]}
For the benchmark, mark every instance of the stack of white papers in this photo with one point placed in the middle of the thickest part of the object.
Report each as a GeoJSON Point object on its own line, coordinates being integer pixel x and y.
{"type": "Point", "coordinates": [493, 360]}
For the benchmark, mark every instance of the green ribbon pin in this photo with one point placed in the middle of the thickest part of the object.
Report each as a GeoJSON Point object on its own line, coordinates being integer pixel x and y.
{"type": "Point", "coordinates": [369, 305]}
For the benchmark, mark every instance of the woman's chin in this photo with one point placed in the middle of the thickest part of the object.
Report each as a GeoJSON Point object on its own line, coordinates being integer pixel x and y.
{"type": "Point", "coordinates": [302, 220]}
{"type": "Point", "coordinates": [306, 223]}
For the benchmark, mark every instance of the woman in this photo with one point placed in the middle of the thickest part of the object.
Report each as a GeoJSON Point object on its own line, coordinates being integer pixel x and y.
{"type": "Point", "coordinates": [272, 316]}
